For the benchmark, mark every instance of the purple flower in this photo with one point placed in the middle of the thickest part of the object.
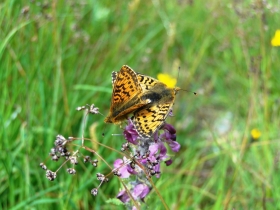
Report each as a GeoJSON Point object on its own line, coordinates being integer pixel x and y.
{"type": "Point", "coordinates": [168, 162]}
{"type": "Point", "coordinates": [157, 154]}
{"type": "Point", "coordinates": [150, 153]}
{"type": "Point", "coordinates": [123, 196]}
{"type": "Point", "coordinates": [169, 136]}
{"type": "Point", "coordinates": [174, 145]}
{"type": "Point", "coordinates": [158, 147]}
{"type": "Point", "coordinates": [162, 151]}
{"type": "Point", "coordinates": [170, 113]}
{"type": "Point", "coordinates": [123, 168]}
{"type": "Point", "coordinates": [169, 128]}
{"type": "Point", "coordinates": [169, 132]}
{"type": "Point", "coordinates": [130, 133]}
{"type": "Point", "coordinates": [140, 191]}
{"type": "Point", "coordinates": [153, 149]}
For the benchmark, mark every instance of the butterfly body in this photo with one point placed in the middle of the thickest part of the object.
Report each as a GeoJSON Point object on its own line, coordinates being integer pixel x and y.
{"type": "Point", "coordinates": [148, 99]}
{"type": "Point", "coordinates": [160, 93]}
{"type": "Point", "coordinates": [122, 112]}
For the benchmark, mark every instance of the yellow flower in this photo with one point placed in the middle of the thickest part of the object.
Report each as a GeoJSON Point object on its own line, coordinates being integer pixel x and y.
{"type": "Point", "coordinates": [167, 79]}
{"type": "Point", "coordinates": [255, 134]}
{"type": "Point", "coordinates": [275, 41]}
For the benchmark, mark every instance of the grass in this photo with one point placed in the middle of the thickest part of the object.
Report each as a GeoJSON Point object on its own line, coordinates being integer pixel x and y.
{"type": "Point", "coordinates": [59, 55]}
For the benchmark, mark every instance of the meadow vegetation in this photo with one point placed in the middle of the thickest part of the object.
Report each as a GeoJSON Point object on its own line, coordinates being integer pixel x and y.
{"type": "Point", "coordinates": [58, 55]}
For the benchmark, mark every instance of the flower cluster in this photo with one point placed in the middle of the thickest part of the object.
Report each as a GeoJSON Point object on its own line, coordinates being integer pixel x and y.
{"type": "Point", "coordinates": [148, 154]}
{"type": "Point", "coordinates": [142, 158]}
{"type": "Point", "coordinates": [60, 151]}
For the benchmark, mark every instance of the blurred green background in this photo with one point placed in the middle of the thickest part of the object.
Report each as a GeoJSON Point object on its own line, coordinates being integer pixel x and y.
{"type": "Point", "coordinates": [58, 55]}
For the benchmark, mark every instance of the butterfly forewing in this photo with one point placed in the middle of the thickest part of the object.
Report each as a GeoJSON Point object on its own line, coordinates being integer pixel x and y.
{"type": "Point", "coordinates": [125, 97]}
{"type": "Point", "coordinates": [126, 86]}
{"type": "Point", "coordinates": [114, 77]}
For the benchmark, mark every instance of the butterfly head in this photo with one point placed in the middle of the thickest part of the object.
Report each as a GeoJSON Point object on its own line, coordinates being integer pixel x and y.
{"type": "Point", "coordinates": [176, 90]}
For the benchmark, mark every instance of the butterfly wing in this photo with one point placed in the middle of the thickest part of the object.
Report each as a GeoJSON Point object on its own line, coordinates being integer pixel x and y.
{"type": "Point", "coordinates": [146, 82]}
{"type": "Point", "coordinates": [151, 117]}
{"type": "Point", "coordinates": [147, 121]}
{"type": "Point", "coordinates": [114, 77]}
{"type": "Point", "coordinates": [125, 97]}
{"type": "Point", "coordinates": [126, 86]}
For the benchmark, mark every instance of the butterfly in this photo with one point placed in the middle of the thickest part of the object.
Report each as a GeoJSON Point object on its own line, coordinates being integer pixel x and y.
{"type": "Point", "coordinates": [148, 99]}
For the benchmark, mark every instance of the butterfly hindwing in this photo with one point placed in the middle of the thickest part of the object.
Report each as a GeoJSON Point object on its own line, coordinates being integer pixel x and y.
{"type": "Point", "coordinates": [148, 121]}
{"type": "Point", "coordinates": [150, 118]}
{"type": "Point", "coordinates": [146, 82]}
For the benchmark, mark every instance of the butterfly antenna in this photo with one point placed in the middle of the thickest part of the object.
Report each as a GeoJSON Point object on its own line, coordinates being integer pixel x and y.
{"type": "Point", "coordinates": [195, 93]}
{"type": "Point", "coordinates": [103, 128]}
{"type": "Point", "coordinates": [179, 68]}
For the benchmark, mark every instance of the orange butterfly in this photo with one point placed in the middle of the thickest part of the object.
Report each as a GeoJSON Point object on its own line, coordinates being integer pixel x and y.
{"type": "Point", "coordinates": [148, 99]}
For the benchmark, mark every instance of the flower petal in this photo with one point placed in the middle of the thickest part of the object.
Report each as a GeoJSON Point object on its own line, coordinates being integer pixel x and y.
{"type": "Point", "coordinates": [167, 79]}
{"type": "Point", "coordinates": [123, 196]}
{"type": "Point", "coordinates": [275, 41]}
